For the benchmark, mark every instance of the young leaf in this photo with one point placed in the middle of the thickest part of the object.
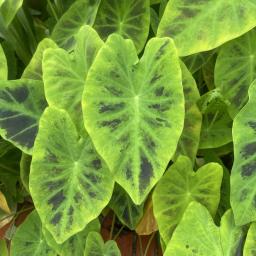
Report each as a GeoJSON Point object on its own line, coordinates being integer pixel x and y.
{"type": "Point", "coordinates": [235, 70]}
{"type": "Point", "coordinates": [189, 23]}
{"type": "Point", "coordinates": [95, 246]}
{"type": "Point", "coordinates": [69, 182]}
{"type": "Point", "coordinates": [25, 163]}
{"type": "Point", "coordinates": [3, 204]}
{"type": "Point", "coordinates": [250, 242]}
{"type": "Point", "coordinates": [130, 19]}
{"type": "Point", "coordinates": [21, 105]}
{"type": "Point", "coordinates": [181, 185]}
{"type": "Point", "coordinates": [243, 175]}
{"type": "Point", "coordinates": [80, 13]}
{"type": "Point", "coordinates": [3, 65]}
{"type": "Point", "coordinates": [29, 239]}
{"type": "Point", "coordinates": [136, 110]}
{"type": "Point", "coordinates": [197, 234]}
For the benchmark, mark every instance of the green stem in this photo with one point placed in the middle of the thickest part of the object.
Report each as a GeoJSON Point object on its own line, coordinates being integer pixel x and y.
{"type": "Point", "coordinates": [112, 227]}
{"type": "Point", "coordinates": [118, 233]}
{"type": "Point", "coordinates": [141, 249]}
{"type": "Point", "coordinates": [149, 243]}
{"type": "Point", "coordinates": [52, 10]}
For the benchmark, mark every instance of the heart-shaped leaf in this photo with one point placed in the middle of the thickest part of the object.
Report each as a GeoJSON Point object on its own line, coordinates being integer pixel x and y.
{"type": "Point", "coordinates": [134, 110]}
{"type": "Point", "coordinates": [29, 239]}
{"type": "Point", "coordinates": [21, 105]}
{"type": "Point", "coordinates": [95, 246]}
{"type": "Point", "coordinates": [188, 23]}
{"type": "Point", "coordinates": [243, 174]}
{"type": "Point", "coordinates": [181, 185]}
{"type": "Point", "coordinates": [235, 70]}
{"type": "Point", "coordinates": [250, 242]}
{"type": "Point", "coordinates": [197, 234]}
{"type": "Point", "coordinates": [70, 184]}
{"type": "Point", "coordinates": [130, 18]}
{"type": "Point", "coordinates": [3, 65]}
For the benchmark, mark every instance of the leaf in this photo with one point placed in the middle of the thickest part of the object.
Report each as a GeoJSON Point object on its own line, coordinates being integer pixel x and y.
{"type": "Point", "coordinates": [127, 212]}
{"type": "Point", "coordinates": [130, 19]}
{"type": "Point", "coordinates": [188, 23]}
{"type": "Point", "coordinates": [69, 182]}
{"type": "Point", "coordinates": [34, 68]}
{"type": "Point", "coordinates": [236, 69]}
{"type": "Point", "coordinates": [3, 65]}
{"type": "Point", "coordinates": [21, 105]}
{"type": "Point", "coordinates": [64, 74]}
{"type": "Point", "coordinates": [80, 13]}
{"type": "Point", "coordinates": [130, 103]}
{"type": "Point", "coordinates": [95, 246]}
{"type": "Point", "coordinates": [3, 248]}
{"type": "Point", "coordinates": [181, 185]}
{"type": "Point", "coordinates": [250, 242]}
{"type": "Point", "coordinates": [29, 239]}
{"type": "Point", "coordinates": [25, 170]}
{"type": "Point", "coordinates": [8, 11]}
{"type": "Point", "coordinates": [243, 174]}
{"type": "Point", "coordinates": [189, 140]}
{"type": "Point", "coordinates": [75, 245]}
{"type": "Point", "coordinates": [197, 234]}
{"type": "Point", "coordinates": [154, 20]}
{"type": "Point", "coordinates": [3, 204]}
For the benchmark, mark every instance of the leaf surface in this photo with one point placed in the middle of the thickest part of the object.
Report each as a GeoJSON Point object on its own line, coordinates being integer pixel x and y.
{"type": "Point", "coordinates": [250, 242]}
{"type": "Point", "coordinates": [3, 65]}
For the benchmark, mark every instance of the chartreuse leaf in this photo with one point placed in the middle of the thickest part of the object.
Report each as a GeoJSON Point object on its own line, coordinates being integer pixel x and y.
{"type": "Point", "coordinates": [130, 18]}
{"type": "Point", "coordinates": [29, 239]}
{"type": "Point", "coordinates": [188, 23]}
{"type": "Point", "coordinates": [235, 70]}
{"type": "Point", "coordinates": [75, 245]}
{"type": "Point", "coordinates": [197, 234]}
{"type": "Point", "coordinates": [70, 184]}
{"type": "Point", "coordinates": [134, 110]}
{"type": "Point", "coordinates": [181, 185]}
{"type": "Point", "coordinates": [21, 105]}
{"type": "Point", "coordinates": [80, 13]}
{"type": "Point", "coordinates": [189, 140]}
{"type": "Point", "coordinates": [127, 212]}
{"type": "Point", "coordinates": [25, 163]}
{"type": "Point", "coordinates": [243, 175]}
{"type": "Point", "coordinates": [250, 242]}
{"type": "Point", "coordinates": [3, 65]}
{"type": "Point", "coordinates": [34, 68]}
{"type": "Point", "coordinates": [64, 74]}
{"type": "Point", "coordinates": [95, 246]}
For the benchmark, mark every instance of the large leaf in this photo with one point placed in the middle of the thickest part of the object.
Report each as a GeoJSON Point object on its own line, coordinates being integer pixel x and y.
{"type": "Point", "coordinates": [29, 239]}
{"type": "Point", "coordinates": [197, 234]}
{"type": "Point", "coordinates": [181, 185]}
{"type": "Point", "coordinates": [64, 74]}
{"type": "Point", "coordinates": [250, 242]}
{"type": "Point", "coordinates": [3, 65]}
{"type": "Point", "coordinates": [189, 140]}
{"type": "Point", "coordinates": [34, 68]}
{"type": "Point", "coordinates": [95, 246]}
{"type": "Point", "coordinates": [136, 110]}
{"type": "Point", "coordinates": [235, 70]}
{"type": "Point", "coordinates": [81, 12]}
{"type": "Point", "coordinates": [130, 18]}
{"type": "Point", "coordinates": [189, 23]}
{"type": "Point", "coordinates": [69, 182]}
{"type": "Point", "coordinates": [21, 105]}
{"type": "Point", "coordinates": [243, 175]}
{"type": "Point", "coordinates": [75, 245]}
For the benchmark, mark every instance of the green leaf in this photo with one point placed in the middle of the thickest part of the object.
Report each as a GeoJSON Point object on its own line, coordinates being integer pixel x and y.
{"type": "Point", "coordinates": [127, 212]}
{"type": "Point", "coordinates": [29, 239]}
{"type": "Point", "coordinates": [197, 234]}
{"type": "Point", "coordinates": [95, 246]}
{"type": "Point", "coordinates": [198, 26]}
{"type": "Point", "coordinates": [8, 11]}
{"type": "Point", "coordinates": [80, 13]}
{"type": "Point", "coordinates": [250, 242]}
{"type": "Point", "coordinates": [64, 74]}
{"type": "Point", "coordinates": [25, 163]}
{"type": "Point", "coordinates": [21, 105]}
{"type": "Point", "coordinates": [189, 140]}
{"type": "Point", "coordinates": [137, 108]}
{"type": "Point", "coordinates": [130, 19]}
{"type": "Point", "coordinates": [3, 248]}
{"type": "Point", "coordinates": [236, 69]}
{"type": "Point", "coordinates": [69, 182]}
{"type": "Point", "coordinates": [243, 175]}
{"type": "Point", "coordinates": [75, 245]}
{"type": "Point", "coordinates": [181, 185]}
{"type": "Point", "coordinates": [34, 68]}
{"type": "Point", "coordinates": [3, 65]}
